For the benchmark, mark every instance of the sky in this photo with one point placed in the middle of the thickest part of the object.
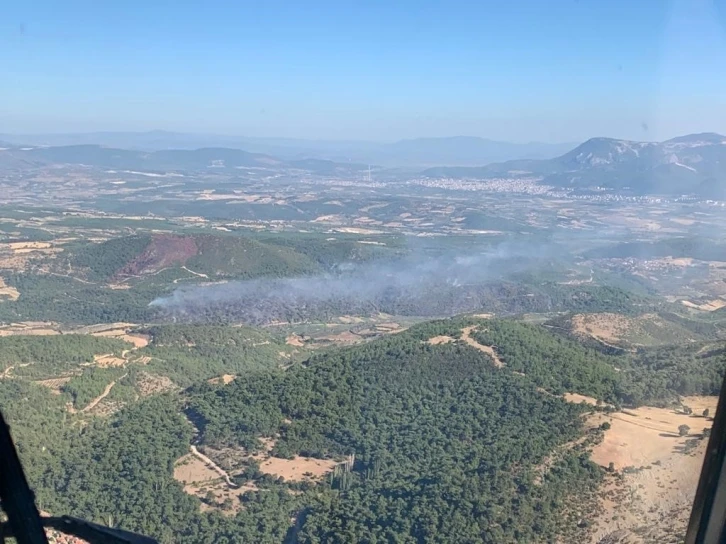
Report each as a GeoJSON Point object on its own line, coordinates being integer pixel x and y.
{"type": "Point", "coordinates": [519, 70]}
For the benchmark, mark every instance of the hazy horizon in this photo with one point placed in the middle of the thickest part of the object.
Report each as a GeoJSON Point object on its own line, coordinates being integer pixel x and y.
{"type": "Point", "coordinates": [273, 138]}
{"type": "Point", "coordinates": [524, 71]}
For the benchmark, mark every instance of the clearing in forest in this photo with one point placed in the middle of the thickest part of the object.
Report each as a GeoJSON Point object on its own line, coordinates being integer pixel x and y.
{"type": "Point", "coordinates": [29, 245]}
{"type": "Point", "coordinates": [202, 481]}
{"type": "Point", "coordinates": [8, 292]}
{"type": "Point", "coordinates": [206, 479]}
{"type": "Point", "coordinates": [659, 468]}
{"type": "Point", "coordinates": [294, 340]}
{"type": "Point", "coordinates": [138, 340]}
{"type": "Point", "coordinates": [710, 306]}
{"type": "Point", "coordinates": [576, 398]}
{"type": "Point", "coordinates": [298, 468]}
{"type": "Point", "coordinates": [107, 360]}
{"type": "Point", "coordinates": [55, 384]}
{"type": "Point", "coordinates": [608, 328]}
{"type": "Point", "coordinates": [29, 328]}
{"type": "Point", "coordinates": [224, 379]}
{"type": "Point", "coordinates": [442, 339]}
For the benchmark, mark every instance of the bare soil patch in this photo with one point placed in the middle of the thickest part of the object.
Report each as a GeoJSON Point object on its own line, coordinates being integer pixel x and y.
{"type": "Point", "coordinates": [606, 327]}
{"type": "Point", "coordinates": [576, 398]}
{"type": "Point", "coordinates": [107, 407]}
{"type": "Point", "coordinates": [223, 379]}
{"type": "Point", "coordinates": [436, 340]}
{"type": "Point", "coordinates": [213, 466]}
{"type": "Point", "coordinates": [205, 483]}
{"type": "Point", "coordinates": [29, 245]}
{"type": "Point", "coordinates": [13, 262]}
{"type": "Point", "coordinates": [657, 475]}
{"type": "Point", "coordinates": [122, 333]}
{"type": "Point", "coordinates": [294, 340]}
{"type": "Point", "coordinates": [709, 306]}
{"type": "Point", "coordinates": [353, 230]}
{"type": "Point", "coordinates": [8, 292]}
{"type": "Point", "coordinates": [297, 469]}
{"type": "Point", "coordinates": [30, 328]}
{"type": "Point", "coordinates": [344, 337]}
{"type": "Point", "coordinates": [26, 251]}
{"type": "Point", "coordinates": [108, 360]}
{"type": "Point", "coordinates": [328, 219]}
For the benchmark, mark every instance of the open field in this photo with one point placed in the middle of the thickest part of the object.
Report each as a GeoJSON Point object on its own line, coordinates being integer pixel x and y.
{"type": "Point", "coordinates": [442, 339]}
{"type": "Point", "coordinates": [55, 384]}
{"type": "Point", "coordinates": [298, 468]}
{"type": "Point", "coordinates": [8, 292]}
{"type": "Point", "coordinates": [659, 471]}
{"type": "Point", "coordinates": [202, 481]}
{"type": "Point", "coordinates": [108, 360]}
{"type": "Point", "coordinates": [122, 333]}
{"type": "Point", "coordinates": [224, 379]}
{"type": "Point", "coordinates": [607, 327]}
{"type": "Point", "coordinates": [30, 328]}
{"type": "Point", "coordinates": [710, 306]}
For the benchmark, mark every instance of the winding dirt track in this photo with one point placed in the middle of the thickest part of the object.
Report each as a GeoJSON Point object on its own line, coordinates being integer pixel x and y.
{"type": "Point", "coordinates": [466, 337]}
{"type": "Point", "coordinates": [99, 398]}
{"type": "Point", "coordinates": [214, 466]}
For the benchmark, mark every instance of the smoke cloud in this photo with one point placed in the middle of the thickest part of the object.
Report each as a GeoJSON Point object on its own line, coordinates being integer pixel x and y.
{"type": "Point", "coordinates": [418, 285]}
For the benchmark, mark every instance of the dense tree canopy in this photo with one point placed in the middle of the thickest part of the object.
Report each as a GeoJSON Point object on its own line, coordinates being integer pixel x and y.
{"type": "Point", "coordinates": [448, 447]}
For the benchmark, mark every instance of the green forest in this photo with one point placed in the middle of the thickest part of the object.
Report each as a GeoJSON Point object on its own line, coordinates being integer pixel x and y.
{"type": "Point", "coordinates": [447, 446]}
{"type": "Point", "coordinates": [191, 353]}
{"type": "Point", "coordinates": [45, 356]}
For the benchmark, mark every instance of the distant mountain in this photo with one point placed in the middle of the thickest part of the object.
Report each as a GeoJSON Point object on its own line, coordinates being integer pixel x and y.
{"type": "Point", "coordinates": [692, 164]}
{"type": "Point", "coordinates": [419, 152]}
{"type": "Point", "coordinates": [465, 150]}
{"type": "Point", "coordinates": [164, 160]}
{"type": "Point", "coordinates": [321, 166]}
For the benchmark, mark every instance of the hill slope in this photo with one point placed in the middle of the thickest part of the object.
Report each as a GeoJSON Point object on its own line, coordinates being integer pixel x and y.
{"type": "Point", "coordinates": [207, 257]}
{"type": "Point", "coordinates": [692, 164]}
{"type": "Point", "coordinates": [173, 160]}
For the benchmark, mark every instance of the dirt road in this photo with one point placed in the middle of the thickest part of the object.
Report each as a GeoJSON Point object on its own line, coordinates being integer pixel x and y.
{"type": "Point", "coordinates": [214, 466]}
{"type": "Point", "coordinates": [466, 337]}
{"type": "Point", "coordinates": [99, 398]}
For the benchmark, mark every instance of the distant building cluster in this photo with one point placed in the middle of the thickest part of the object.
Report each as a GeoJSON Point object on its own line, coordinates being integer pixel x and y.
{"type": "Point", "coordinates": [527, 185]}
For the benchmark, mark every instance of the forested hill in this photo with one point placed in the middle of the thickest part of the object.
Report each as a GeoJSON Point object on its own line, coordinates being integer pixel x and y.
{"type": "Point", "coordinates": [445, 442]}
{"type": "Point", "coordinates": [207, 256]}
{"type": "Point", "coordinates": [115, 280]}
{"type": "Point", "coordinates": [459, 430]}
{"type": "Point", "coordinates": [691, 164]}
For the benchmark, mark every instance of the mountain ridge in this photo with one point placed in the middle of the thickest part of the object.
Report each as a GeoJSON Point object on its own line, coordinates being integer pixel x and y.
{"type": "Point", "coordinates": [163, 160]}
{"type": "Point", "coordinates": [689, 164]}
{"type": "Point", "coordinates": [412, 152]}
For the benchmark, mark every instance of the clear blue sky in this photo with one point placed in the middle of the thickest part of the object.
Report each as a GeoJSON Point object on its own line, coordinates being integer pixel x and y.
{"type": "Point", "coordinates": [551, 70]}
